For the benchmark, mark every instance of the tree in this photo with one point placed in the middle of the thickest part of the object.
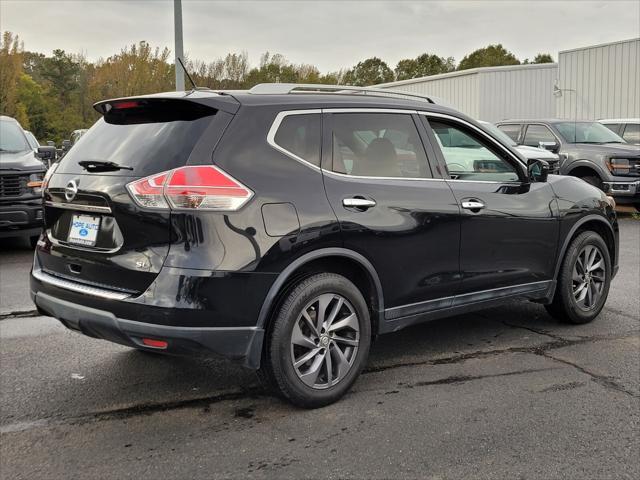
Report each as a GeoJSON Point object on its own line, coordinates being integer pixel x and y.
{"type": "Point", "coordinates": [423, 66]}
{"type": "Point", "coordinates": [369, 72]}
{"type": "Point", "coordinates": [491, 56]}
{"type": "Point", "coordinates": [543, 58]}
{"type": "Point", "coordinates": [11, 51]}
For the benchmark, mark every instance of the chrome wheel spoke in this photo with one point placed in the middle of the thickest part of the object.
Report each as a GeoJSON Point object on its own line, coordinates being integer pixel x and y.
{"type": "Point", "coordinates": [588, 277]}
{"type": "Point", "coordinates": [324, 341]}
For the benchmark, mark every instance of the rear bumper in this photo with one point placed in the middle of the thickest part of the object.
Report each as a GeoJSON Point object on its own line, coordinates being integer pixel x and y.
{"type": "Point", "coordinates": [21, 218]}
{"type": "Point", "coordinates": [243, 344]}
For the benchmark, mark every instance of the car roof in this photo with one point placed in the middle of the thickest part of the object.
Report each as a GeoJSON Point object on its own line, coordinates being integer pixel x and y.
{"type": "Point", "coordinates": [620, 120]}
{"type": "Point", "coordinates": [5, 118]}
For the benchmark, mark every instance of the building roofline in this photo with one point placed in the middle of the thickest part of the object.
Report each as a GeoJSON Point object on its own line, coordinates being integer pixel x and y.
{"type": "Point", "coordinates": [606, 44]}
{"type": "Point", "coordinates": [470, 71]}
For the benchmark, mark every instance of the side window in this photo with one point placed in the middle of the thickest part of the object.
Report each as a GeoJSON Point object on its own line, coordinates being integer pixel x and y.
{"type": "Point", "coordinates": [378, 145]}
{"type": "Point", "coordinates": [614, 127]}
{"type": "Point", "coordinates": [536, 134]}
{"type": "Point", "coordinates": [513, 131]}
{"type": "Point", "coordinates": [469, 156]}
{"type": "Point", "coordinates": [300, 134]}
{"type": "Point", "coordinates": [632, 133]}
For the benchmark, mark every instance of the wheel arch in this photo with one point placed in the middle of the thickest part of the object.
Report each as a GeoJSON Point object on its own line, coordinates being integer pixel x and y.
{"type": "Point", "coordinates": [582, 168]}
{"type": "Point", "coordinates": [343, 261]}
{"type": "Point", "coordinates": [594, 223]}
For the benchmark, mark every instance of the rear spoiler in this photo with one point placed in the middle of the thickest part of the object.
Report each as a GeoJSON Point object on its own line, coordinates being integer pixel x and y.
{"type": "Point", "coordinates": [172, 100]}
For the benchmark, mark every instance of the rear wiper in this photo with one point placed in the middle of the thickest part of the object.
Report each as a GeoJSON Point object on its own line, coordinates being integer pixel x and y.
{"type": "Point", "coordinates": [100, 166]}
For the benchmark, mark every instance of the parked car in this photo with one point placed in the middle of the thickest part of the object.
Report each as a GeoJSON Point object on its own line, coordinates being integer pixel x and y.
{"type": "Point", "coordinates": [21, 174]}
{"type": "Point", "coordinates": [627, 128]}
{"type": "Point", "coordinates": [588, 150]}
{"type": "Point", "coordinates": [285, 231]}
{"type": "Point", "coordinates": [529, 152]}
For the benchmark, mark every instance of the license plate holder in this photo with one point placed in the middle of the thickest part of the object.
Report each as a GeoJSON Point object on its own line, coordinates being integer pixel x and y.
{"type": "Point", "coordinates": [84, 230]}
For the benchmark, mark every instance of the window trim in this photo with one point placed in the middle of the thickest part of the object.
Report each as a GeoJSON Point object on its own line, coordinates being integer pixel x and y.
{"type": "Point", "coordinates": [521, 170]}
{"type": "Point", "coordinates": [271, 135]}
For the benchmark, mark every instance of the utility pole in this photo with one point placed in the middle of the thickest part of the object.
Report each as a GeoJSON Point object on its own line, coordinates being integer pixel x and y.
{"type": "Point", "coordinates": [177, 29]}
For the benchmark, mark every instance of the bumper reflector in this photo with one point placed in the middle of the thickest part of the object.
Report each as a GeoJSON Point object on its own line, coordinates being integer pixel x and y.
{"type": "Point", "coordinates": [150, 342]}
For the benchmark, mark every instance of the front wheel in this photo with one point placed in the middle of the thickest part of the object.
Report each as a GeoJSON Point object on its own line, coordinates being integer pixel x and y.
{"type": "Point", "coordinates": [583, 280]}
{"type": "Point", "coordinates": [593, 180]}
{"type": "Point", "coordinates": [319, 342]}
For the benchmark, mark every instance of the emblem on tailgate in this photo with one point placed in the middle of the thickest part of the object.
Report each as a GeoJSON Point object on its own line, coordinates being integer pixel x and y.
{"type": "Point", "coordinates": [71, 190]}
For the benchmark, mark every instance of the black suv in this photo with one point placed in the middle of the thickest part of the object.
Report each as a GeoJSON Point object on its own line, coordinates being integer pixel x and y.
{"type": "Point", "coordinates": [285, 228]}
{"type": "Point", "coordinates": [21, 174]}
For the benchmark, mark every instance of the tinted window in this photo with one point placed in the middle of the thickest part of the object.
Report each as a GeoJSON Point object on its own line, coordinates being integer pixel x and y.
{"type": "Point", "coordinates": [614, 127]}
{"type": "Point", "coordinates": [469, 156]}
{"type": "Point", "coordinates": [11, 137]}
{"type": "Point", "coordinates": [378, 145]}
{"type": "Point", "coordinates": [632, 133]}
{"type": "Point", "coordinates": [536, 134]}
{"type": "Point", "coordinates": [513, 131]}
{"type": "Point", "coordinates": [300, 135]}
{"type": "Point", "coordinates": [587, 132]}
{"type": "Point", "coordinates": [147, 147]}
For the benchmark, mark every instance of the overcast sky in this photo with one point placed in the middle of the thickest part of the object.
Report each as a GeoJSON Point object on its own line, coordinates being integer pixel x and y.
{"type": "Point", "coordinates": [328, 34]}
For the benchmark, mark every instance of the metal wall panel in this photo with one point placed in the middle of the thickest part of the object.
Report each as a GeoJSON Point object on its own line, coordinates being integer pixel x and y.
{"type": "Point", "coordinates": [525, 92]}
{"type": "Point", "coordinates": [604, 79]}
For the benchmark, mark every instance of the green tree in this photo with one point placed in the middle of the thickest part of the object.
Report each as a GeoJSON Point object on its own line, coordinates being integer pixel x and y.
{"type": "Point", "coordinates": [423, 66]}
{"type": "Point", "coordinates": [491, 56]}
{"type": "Point", "coordinates": [543, 58]}
{"type": "Point", "coordinates": [369, 72]}
{"type": "Point", "coordinates": [11, 51]}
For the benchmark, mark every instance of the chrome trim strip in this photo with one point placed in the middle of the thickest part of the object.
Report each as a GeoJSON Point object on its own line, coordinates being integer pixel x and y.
{"type": "Point", "coordinates": [346, 176]}
{"type": "Point", "coordinates": [369, 110]}
{"type": "Point", "coordinates": [76, 206]}
{"type": "Point", "coordinates": [274, 129]}
{"type": "Point", "coordinates": [38, 274]}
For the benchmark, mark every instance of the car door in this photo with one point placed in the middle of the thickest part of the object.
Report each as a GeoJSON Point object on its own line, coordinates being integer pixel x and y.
{"type": "Point", "coordinates": [509, 227]}
{"type": "Point", "coordinates": [390, 207]}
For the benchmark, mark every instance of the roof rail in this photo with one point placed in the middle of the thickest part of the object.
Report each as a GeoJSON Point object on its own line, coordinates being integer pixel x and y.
{"type": "Point", "coordinates": [287, 88]}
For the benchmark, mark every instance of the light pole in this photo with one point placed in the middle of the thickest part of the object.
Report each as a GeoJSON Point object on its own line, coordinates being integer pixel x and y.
{"type": "Point", "coordinates": [177, 28]}
{"type": "Point", "coordinates": [557, 92]}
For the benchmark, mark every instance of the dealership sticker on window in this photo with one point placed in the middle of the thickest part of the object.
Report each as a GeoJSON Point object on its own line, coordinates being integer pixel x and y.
{"type": "Point", "coordinates": [84, 230]}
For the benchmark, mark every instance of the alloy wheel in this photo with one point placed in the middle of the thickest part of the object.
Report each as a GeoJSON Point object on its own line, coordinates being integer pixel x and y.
{"type": "Point", "coordinates": [324, 341]}
{"type": "Point", "coordinates": [589, 275]}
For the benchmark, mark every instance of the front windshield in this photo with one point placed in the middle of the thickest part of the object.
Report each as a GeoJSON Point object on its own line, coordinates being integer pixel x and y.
{"type": "Point", "coordinates": [586, 132]}
{"type": "Point", "coordinates": [11, 138]}
{"type": "Point", "coordinates": [496, 132]}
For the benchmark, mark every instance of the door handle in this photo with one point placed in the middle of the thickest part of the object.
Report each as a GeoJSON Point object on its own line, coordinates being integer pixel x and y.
{"type": "Point", "coordinates": [356, 202]}
{"type": "Point", "coordinates": [473, 205]}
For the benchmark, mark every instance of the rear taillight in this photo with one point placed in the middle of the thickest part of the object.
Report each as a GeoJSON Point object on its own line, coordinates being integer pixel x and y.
{"type": "Point", "coordinates": [198, 187]}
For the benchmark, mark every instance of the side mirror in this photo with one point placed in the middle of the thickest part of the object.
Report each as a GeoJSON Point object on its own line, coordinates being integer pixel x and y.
{"type": "Point", "coordinates": [51, 143]}
{"type": "Point", "coordinates": [551, 146]}
{"type": "Point", "coordinates": [47, 154]}
{"type": "Point", "coordinates": [66, 144]}
{"type": "Point", "coordinates": [537, 170]}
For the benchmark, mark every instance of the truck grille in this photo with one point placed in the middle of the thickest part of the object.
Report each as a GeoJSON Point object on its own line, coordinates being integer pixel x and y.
{"type": "Point", "coordinates": [13, 185]}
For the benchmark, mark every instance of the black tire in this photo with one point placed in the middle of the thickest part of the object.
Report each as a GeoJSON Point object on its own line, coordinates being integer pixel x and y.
{"type": "Point", "coordinates": [33, 241]}
{"type": "Point", "coordinates": [565, 306]}
{"type": "Point", "coordinates": [278, 362]}
{"type": "Point", "coordinates": [593, 180]}
{"type": "Point", "coordinates": [637, 205]}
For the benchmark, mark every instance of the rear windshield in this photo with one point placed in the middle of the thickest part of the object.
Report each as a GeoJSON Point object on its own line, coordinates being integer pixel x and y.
{"type": "Point", "coordinates": [148, 147]}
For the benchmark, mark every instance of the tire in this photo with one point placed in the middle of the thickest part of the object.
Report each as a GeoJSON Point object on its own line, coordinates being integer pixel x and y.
{"type": "Point", "coordinates": [593, 180]}
{"type": "Point", "coordinates": [340, 347]}
{"type": "Point", "coordinates": [33, 241]}
{"type": "Point", "coordinates": [579, 297]}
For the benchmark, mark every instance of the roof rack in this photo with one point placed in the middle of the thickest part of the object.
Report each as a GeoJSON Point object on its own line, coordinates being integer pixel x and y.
{"type": "Point", "coordinates": [287, 88]}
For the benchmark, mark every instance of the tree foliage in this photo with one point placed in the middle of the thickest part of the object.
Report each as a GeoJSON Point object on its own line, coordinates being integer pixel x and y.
{"type": "Point", "coordinates": [53, 94]}
{"type": "Point", "coordinates": [490, 56]}
{"type": "Point", "coordinates": [423, 66]}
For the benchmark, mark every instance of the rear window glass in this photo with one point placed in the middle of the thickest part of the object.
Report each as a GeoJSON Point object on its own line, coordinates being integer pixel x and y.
{"type": "Point", "coordinates": [300, 134]}
{"type": "Point", "coordinates": [148, 147]}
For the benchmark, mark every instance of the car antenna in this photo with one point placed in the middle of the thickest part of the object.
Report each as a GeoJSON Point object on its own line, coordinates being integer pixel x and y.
{"type": "Point", "coordinates": [195, 87]}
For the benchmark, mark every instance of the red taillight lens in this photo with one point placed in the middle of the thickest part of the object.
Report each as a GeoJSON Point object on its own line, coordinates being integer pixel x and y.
{"type": "Point", "coordinates": [150, 342]}
{"type": "Point", "coordinates": [198, 187]}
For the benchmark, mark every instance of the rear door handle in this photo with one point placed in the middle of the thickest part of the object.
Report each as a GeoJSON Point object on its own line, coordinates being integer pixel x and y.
{"type": "Point", "coordinates": [473, 205]}
{"type": "Point", "coordinates": [356, 202]}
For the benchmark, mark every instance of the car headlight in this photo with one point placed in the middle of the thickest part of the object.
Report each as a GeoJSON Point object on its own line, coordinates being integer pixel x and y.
{"type": "Point", "coordinates": [619, 166]}
{"type": "Point", "coordinates": [35, 182]}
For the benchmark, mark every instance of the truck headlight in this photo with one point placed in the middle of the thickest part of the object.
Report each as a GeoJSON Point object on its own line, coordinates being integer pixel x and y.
{"type": "Point", "coordinates": [619, 166]}
{"type": "Point", "coordinates": [35, 182]}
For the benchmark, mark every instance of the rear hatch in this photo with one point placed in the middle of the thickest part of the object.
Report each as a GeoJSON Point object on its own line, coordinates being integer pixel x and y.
{"type": "Point", "coordinates": [95, 232]}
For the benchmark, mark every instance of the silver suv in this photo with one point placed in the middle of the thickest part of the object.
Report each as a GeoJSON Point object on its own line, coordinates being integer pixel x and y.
{"type": "Point", "coordinates": [588, 150]}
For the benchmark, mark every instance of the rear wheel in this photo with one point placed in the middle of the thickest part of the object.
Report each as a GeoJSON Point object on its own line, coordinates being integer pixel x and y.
{"type": "Point", "coordinates": [319, 342]}
{"type": "Point", "coordinates": [583, 281]}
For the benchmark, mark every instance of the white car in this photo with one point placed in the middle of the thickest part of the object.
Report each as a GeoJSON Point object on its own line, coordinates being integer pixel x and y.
{"type": "Point", "coordinates": [529, 152]}
{"type": "Point", "coordinates": [627, 128]}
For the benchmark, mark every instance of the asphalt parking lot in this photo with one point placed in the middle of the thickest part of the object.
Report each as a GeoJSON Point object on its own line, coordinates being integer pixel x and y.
{"type": "Point", "coordinates": [504, 393]}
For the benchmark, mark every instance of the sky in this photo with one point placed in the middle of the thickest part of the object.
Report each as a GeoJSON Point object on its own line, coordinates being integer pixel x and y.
{"type": "Point", "coordinates": [328, 34]}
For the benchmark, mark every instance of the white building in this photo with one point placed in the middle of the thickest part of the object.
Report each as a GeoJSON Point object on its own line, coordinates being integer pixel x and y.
{"type": "Point", "coordinates": [599, 82]}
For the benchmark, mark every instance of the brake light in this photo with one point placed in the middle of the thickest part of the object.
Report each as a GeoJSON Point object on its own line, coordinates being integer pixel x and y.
{"type": "Point", "coordinates": [150, 342]}
{"type": "Point", "coordinates": [198, 187]}
{"type": "Point", "coordinates": [124, 105]}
